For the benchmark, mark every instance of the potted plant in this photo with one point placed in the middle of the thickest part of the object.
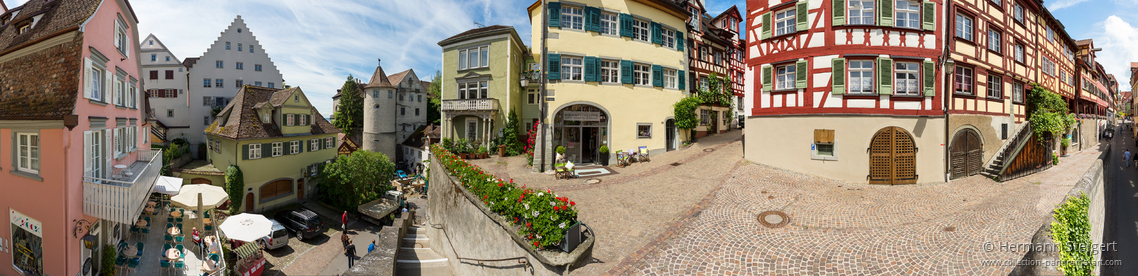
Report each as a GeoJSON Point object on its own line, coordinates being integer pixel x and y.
{"type": "Point", "coordinates": [604, 155]}
{"type": "Point", "coordinates": [501, 150]}
{"type": "Point", "coordinates": [460, 147]}
{"type": "Point", "coordinates": [483, 152]}
{"type": "Point", "coordinates": [560, 153]}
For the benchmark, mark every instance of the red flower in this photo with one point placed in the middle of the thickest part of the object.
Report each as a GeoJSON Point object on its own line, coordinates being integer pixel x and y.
{"type": "Point", "coordinates": [528, 225]}
{"type": "Point", "coordinates": [499, 184]}
{"type": "Point", "coordinates": [535, 244]}
{"type": "Point", "coordinates": [573, 203]}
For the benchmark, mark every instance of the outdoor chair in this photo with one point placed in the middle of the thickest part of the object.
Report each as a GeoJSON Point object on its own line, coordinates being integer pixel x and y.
{"type": "Point", "coordinates": [169, 238]}
{"type": "Point", "coordinates": [179, 220]}
{"type": "Point", "coordinates": [134, 230]}
{"type": "Point", "coordinates": [165, 264]}
{"type": "Point", "coordinates": [631, 155]}
{"type": "Point", "coordinates": [133, 264]}
{"type": "Point", "coordinates": [560, 171]}
{"type": "Point", "coordinates": [145, 231]}
{"type": "Point", "coordinates": [181, 249]}
{"type": "Point", "coordinates": [643, 154]}
{"type": "Point", "coordinates": [169, 219]}
{"type": "Point", "coordinates": [166, 246]}
{"type": "Point", "coordinates": [208, 227]}
{"type": "Point", "coordinates": [147, 219]}
{"type": "Point", "coordinates": [622, 158]}
{"type": "Point", "coordinates": [180, 264]}
{"type": "Point", "coordinates": [168, 225]}
{"type": "Point", "coordinates": [179, 239]}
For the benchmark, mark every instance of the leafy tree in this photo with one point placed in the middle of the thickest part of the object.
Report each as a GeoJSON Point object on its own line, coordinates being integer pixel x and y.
{"type": "Point", "coordinates": [1049, 113]}
{"type": "Point", "coordinates": [350, 114]}
{"type": "Point", "coordinates": [434, 103]}
{"type": "Point", "coordinates": [510, 135]}
{"type": "Point", "coordinates": [684, 112]}
{"type": "Point", "coordinates": [356, 178]}
{"type": "Point", "coordinates": [235, 186]}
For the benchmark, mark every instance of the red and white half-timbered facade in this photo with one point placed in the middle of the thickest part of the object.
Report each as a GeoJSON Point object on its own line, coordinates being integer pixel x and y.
{"type": "Point", "coordinates": [714, 47]}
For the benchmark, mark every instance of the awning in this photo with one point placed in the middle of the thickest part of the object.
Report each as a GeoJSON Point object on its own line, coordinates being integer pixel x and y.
{"type": "Point", "coordinates": [168, 185]}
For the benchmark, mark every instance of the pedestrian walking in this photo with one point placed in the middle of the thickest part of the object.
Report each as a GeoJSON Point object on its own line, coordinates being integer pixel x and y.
{"type": "Point", "coordinates": [344, 239]}
{"type": "Point", "coordinates": [1126, 157]}
{"type": "Point", "coordinates": [350, 251]}
{"type": "Point", "coordinates": [344, 219]}
{"type": "Point", "coordinates": [371, 247]}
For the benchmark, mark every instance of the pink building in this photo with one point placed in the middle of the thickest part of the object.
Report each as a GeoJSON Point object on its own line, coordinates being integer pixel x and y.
{"type": "Point", "coordinates": [74, 160]}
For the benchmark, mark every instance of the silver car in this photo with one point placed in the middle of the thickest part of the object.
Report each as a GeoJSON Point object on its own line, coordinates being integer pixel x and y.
{"type": "Point", "coordinates": [277, 239]}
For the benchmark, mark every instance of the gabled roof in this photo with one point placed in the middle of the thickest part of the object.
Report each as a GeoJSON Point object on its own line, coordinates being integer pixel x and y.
{"type": "Point", "coordinates": [243, 123]}
{"type": "Point", "coordinates": [397, 78]}
{"type": "Point", "coordinates": [54, 16]}
{"type": "Point", "coordinates": [379, 79]}
{"type": "Point", "coordinates": [732, 10]}
{"type": "Point", "coordinates": [160, 45]}
{"type": "Point", "coordinates": [476, 33]}
{"type": "Point", "coordinates": [189, 62]}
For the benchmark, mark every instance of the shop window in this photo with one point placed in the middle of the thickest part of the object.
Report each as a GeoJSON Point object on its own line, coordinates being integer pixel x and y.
{"type": "Point", "coordinates": [644, 131]}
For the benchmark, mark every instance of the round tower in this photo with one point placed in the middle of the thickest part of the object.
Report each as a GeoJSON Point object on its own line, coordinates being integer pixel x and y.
{"type": "Point", "coordinates": [379, 114]}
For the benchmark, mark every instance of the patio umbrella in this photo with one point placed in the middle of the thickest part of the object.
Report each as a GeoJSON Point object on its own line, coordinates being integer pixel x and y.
{"type": "Point", "coordinates": [200, 196]}
{"type": "Point", "coordinates": [246, 227]}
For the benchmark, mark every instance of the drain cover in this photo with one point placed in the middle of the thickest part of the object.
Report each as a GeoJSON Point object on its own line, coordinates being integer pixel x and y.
{"type": "Point", "coordinates": [592, 181]}
{"type": "Point", "coordinates": [708, 150]}
{"type": "Point", "coordinates": [675, 164]}
{"type": "Point", "coordinates": [773, 219]}
{"type": "Point", "coordinates": [949, 229]}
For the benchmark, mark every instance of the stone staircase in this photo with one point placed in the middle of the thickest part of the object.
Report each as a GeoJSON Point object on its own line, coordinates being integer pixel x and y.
{"type": "Point", "coordinates": [417, 258]}
{"type": "Point", "coordinates": [1009, 150]}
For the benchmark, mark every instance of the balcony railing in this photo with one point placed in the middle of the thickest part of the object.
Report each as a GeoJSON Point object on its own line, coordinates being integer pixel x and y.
{"type": "Point", "coordinates": [121, 198]}
{"type": "Point", "coordinates": [470, 105]}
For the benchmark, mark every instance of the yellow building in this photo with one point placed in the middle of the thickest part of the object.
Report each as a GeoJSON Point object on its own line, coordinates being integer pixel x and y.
{"type": "Point", "coordinates": [615, 69]}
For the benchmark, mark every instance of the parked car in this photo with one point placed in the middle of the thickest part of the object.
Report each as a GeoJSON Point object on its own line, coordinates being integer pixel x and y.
{"type": "Point", "coordinates": [741, 120]}
{"type": "Point", "coordinates": [277, 239]}
{"type": "Point", "coordinates": [302, 222]}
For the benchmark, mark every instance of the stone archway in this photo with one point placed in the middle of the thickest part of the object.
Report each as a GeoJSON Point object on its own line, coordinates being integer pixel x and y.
{"type": "Point", "coordinates": [967, 157]}
{"type": "Point", "coordinates": [201, 181]}
{"type": "Point", "coordinates": [581, 127]}
{"type": "Point", "coordinates": [892, 157]}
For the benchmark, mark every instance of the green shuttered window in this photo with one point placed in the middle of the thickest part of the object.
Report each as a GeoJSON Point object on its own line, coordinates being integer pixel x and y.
{"type": "Point", "coordinates": [766, 26]}
{"type": "Point", "coordinates": [679, 40]}
{"type": "Point", "coordinates": [839, 12]}
{"type": "Point", "coordinates": [838, 76]}
{"type": "Point", "coordinates": [885, 13]}
{"type": "Point", "coordinates": [800, 14]}
{"type": "Point", "coordinates": [592, 19]}
{"type": "Point", "coordinates": [657, 76]}
{"type": "Point", "coordinates": [928, 15]}
{"type": "Point", "coordinates": [656, 38]}
{"type": "Point", "coordinates": [554, 66]}
{"type": "Point", "coordinates": [800, 74]}
{"type": "Point", "coordinates": [626, 71]}
{"type": "Point", "coordinates": [683, 79]}
{"type": "Point", "coordinates": [626, 25]}
{"type": "Point", "coordinates": [555, 14]}
{"type": "Point", "coordinates": [767, 72]}
{"type": "Point", "coordinates": [929, 74]}
{"type": "Point", "coordinates": [884, 76]}
{"type": "Point", "coordinates": [591, 68]}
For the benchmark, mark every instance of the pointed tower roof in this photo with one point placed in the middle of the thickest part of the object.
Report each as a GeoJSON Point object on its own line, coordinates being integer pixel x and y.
{"type": "Point", "coordinates": [379, 79]}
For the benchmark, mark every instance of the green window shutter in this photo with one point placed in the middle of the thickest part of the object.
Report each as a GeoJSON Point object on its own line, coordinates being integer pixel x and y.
{"type": "Point", "coordinates": [767, 72]}
{"type": "Point", "coordinates": [554, 64]}
{"type": "Point", "coordinates": [800, 74]}
{"type": "Point", "coordinates": [885, 13]}
{"type": "Point", "coordinates": [766, 26]}
{"type": "Point", "coordinates": [555, 14]}
{"type": "Point", "coordinates": [303, 146]}
{"type": "Point", "coordinates": [682, 80]}
{"type": "Point", "coordinates": [928, 15]}
{"type": "Point", "coordinates": [657, 76]}
{"type": "Point", "coordinates": [287, 148]}
{"type": "Point", "coordinates": [626, 71]}
{"type": "Point", "coordinates": [800, 16]}
{"type": "Point", "coordinates": [839, 12]}
{"type": "Point", "coordinates": [626, 25]}
{"type": "Point", "coordinates": [590, 69]}
{"type": "Point", "coordinates": [244, 152]}
{"type": "Point", "coordinates": [679, 40]}
{"type": "Point", "coordinates": [656, 39]}
{"type": "Point", "coordinates": [929, 75]}
{"type": "Point", "coordinates": [592, 19]}
{"type": "Point", "coordinates": [884, 76]}
{"type": "Point", "coordinates": [838, 76]}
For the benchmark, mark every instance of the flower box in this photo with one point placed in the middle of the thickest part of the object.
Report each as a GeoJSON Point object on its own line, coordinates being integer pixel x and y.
{"type": "Point", "coordinates": [572, 237]}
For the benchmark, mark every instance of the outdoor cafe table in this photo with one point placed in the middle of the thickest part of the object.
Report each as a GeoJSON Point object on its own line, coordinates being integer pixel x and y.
{"type": "Point", "coordinates": [176, 214]}
{"type": "Point", "coordinates": [130, 252]}
{"type": "Point", "coordinates": [209, 266]}
{"type": "Point", "coordinates": [140, 223]}
{"type": "Point", "coordinates": [151, 204]}
{"type": "Point", "coordinates": [172, 254]}
{"type": "Point", "coordinates": [174, 231]}
{"type": "Point", "coordinates": [149, 210]}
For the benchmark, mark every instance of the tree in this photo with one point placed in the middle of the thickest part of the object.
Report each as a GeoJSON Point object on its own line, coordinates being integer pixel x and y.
{"type": "Point", "coordinates": [685, 112]}
{"type": "Point", "coordinates": [434, 103]}
{"type": "Point", "coordinates": [1049, 113]}
{"type": "Point", "coordinates": [356, 179]}
{"type": "Point", "coordinates": [510, 135]}
{"type": "Point", "coordinates": [235, 187]}
{"type": "Point", "coordinates": [350, 114]}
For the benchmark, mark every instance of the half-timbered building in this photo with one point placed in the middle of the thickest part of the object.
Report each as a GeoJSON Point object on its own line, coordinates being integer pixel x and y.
{"type": "Point", "coordinates": [850, 88]}
{"type": "Point", "coordinates": [714, 52]}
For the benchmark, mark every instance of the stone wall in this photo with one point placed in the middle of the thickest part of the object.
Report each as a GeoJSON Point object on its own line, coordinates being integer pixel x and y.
{"type": "Point", "coordinates": [1092, 185]}
{"type": "Point", "coordinates": [381, 262]}
{"type": "Point", "coordinates": [454, 219]}
{"type": "Point", "coordinates": [1089, 133]}
{"type": "Point", "coordinates": [988, 127]}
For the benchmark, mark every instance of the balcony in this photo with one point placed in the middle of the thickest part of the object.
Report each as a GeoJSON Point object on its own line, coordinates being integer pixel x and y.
{"type": "Point", "coordinates": [122, 198]}
{"type": "Point", "coordinates": [470, 105]}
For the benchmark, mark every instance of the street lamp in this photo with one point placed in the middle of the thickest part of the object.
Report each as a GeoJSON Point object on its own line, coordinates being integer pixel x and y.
{"type": "Point", "coordinates": [949, 66]}
{"type": "Point", "coordinates": [525, 81]}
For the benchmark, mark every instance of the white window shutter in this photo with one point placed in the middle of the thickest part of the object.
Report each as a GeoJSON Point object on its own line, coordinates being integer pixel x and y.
{"type": "Point", "coordinates": [87, 154]}
{"type": "Point", "coordinates": [86, 78]}
{"type": "Point", "coordinates": [109, 153]}
{"type": "Point", "coordinates": [108, 87]}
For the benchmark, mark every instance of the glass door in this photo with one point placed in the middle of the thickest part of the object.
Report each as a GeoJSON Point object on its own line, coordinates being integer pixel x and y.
{"type": "Point", "coordinates": [573, 144]}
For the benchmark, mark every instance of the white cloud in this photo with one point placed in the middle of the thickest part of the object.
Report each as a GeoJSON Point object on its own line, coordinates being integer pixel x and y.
{"type": "Point", "coordinates": [1064, 4]}
{"type": "Point", "coordinates": [1117, 39]}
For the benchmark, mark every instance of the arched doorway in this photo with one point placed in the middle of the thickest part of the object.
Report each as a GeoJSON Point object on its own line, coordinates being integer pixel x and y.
{"type": "Point", "coordinates": [249, 203]}
{"type": "Point", "coordinates": [670, 134]}
{"type": "Point", "coordinates": [967, 153]}
{"type": "Point", "coordinates": [892, 157]}
{"type": "Point", "coordinates": [200, 181]}
{"type": "Point", "coordinates": [300, 189]}
{"type": "Point", "coordinates": [582, 129]}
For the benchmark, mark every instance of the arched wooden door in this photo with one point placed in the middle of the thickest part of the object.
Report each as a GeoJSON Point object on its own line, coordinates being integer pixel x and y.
{"type": "Point", "coordinates": [200, 181]}
{"type": "Point", "coordinates": [967, 154]}
{"type": "Point", "coordinates": [249, 203]}
{"type": "Point", "coordinates": [892, 157]}
{"type": "Point", "coordinates": [300, 189]}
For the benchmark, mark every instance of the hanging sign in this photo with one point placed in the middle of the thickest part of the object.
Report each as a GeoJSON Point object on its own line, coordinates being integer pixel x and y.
{"type": "Point", "coordinates": [591, 116]}
{"type": "Point", "coordinates": [25, 222]}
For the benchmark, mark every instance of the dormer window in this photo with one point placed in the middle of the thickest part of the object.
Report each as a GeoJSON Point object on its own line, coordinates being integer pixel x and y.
{"type": "Point", "coordinates": [24, 28]}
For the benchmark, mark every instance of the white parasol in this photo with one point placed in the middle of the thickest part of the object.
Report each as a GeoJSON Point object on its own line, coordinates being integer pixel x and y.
{"type": "Point", "coordinates": [168, 185]}
{"type": "Point", "coordinates": [246, 227]}
{"type": "Point", "coordinates": [212, 196]}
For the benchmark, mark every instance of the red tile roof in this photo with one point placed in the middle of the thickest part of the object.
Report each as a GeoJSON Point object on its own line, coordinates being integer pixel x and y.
{"type": "Point", "coordinates": [243, 123]}
{"type": "Point", "coordinates": [379, 79]}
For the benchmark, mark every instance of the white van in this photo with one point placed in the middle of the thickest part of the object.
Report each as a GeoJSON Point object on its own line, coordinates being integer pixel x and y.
{"type": "Point", "coordinates": [277, 239]}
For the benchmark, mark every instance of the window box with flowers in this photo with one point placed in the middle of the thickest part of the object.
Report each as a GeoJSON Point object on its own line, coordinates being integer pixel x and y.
{"type": "Point", "coordinates": [544, 223]}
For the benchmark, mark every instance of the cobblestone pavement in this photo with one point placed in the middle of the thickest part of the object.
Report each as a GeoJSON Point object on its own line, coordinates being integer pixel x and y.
{"type": "Point", "coordinates": [838, 228]}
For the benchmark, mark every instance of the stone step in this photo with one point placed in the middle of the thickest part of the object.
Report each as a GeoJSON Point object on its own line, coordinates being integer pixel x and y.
{"type": "Point", "coordinates": [420, 258]}
{"type": "Point", "coordinates": [416, 230]}
{"type": "Point", "coordinates": [415, 237]}
{"type": "Point", "coordinates": [414, 244]}
{"type": "Point", "coordinates": [425, 271]}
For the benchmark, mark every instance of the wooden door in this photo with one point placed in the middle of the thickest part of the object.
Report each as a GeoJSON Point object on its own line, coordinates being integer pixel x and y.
{"type": "Point", "coordinates": [300, 189]}
{"type": "Point", "coordinates": [967, 154]}
{"type": "Point", "coordinates": [892, 157]}
{"type": "Point", "coordinates": [200, 181]}
{"type": "Point", "coordinates": [249, 203]}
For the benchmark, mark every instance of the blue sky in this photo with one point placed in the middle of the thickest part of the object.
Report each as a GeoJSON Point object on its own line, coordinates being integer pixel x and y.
{"type": "Point", "coordinates": [317, 43]}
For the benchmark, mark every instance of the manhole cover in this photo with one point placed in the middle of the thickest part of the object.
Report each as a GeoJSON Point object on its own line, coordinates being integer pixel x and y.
{"type": "Point", "coordinates": [773, 219]}
{"type": "Point", "coordinates": [708, 150]}
{"type": "Point", "coordinates": [949, 229]}
{"type": "Point", "coordinates": [675, 164]}
{"type": "Point", "coordinates": [592, 181]}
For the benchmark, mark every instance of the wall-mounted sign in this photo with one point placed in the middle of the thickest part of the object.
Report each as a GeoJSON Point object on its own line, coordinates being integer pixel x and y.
{"type": "Point", "coordinates": [591, 116]}
{"type": "Point", "coordinates": [25, 222]}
